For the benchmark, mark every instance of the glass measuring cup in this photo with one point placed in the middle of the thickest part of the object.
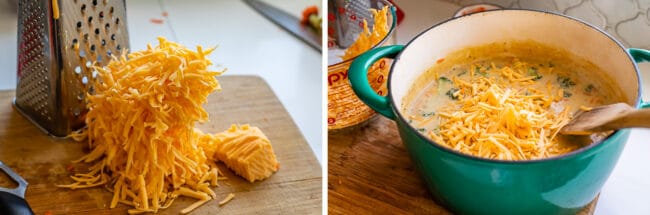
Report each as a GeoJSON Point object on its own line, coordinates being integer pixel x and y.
{"type": "Point", "coordinates": [344, 109]}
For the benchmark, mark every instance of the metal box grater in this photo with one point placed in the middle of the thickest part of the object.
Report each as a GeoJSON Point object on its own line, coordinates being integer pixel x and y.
{"type": "Point", "coordinates": [347, 19]}
{"type": "Point", "coordinates": [56, 57]}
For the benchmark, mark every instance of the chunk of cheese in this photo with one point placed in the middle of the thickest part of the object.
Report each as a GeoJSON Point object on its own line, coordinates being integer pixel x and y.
{"type": "Point", "coordinates": [244, 149]}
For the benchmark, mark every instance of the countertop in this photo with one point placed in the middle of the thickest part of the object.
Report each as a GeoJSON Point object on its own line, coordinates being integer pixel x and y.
{"type": "Point", "coordinates": [627, 188]}
{"type": "Point", "coordinates": [248, 44]}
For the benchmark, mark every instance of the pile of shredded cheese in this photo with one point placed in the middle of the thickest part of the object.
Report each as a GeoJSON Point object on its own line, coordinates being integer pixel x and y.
{"type": "Point", "coordinates": [368, 39]}
{"type": "Point", "coordinates": [140, 128]}
{"type": "Point", "coordinates": [503, 117]}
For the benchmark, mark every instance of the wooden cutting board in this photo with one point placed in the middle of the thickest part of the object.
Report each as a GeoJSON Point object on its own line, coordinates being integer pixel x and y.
{"type": "Point", "coordinates": [295, 189]}
{"type": "Point", "coordinates": [370, 172]}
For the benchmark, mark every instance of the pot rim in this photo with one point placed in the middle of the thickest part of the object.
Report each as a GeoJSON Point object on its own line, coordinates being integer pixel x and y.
{"type": "Point", "coordinates": [584, 150]}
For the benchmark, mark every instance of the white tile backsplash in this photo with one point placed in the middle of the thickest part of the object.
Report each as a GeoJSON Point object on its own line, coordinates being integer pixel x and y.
{"type": "Point", "coordinates": [626, 20]}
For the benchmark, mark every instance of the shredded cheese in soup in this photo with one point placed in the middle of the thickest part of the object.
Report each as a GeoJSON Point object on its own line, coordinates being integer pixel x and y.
{"type": "Point", "coordinates": [507, 101]}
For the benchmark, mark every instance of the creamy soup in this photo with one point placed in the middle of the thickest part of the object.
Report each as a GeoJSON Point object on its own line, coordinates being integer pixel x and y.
{"type": "Point", "coordinates": [507, 100]}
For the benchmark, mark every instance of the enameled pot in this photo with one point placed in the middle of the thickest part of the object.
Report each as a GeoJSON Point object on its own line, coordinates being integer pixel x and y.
{"type": "Point", "coordinates": [472, 185]}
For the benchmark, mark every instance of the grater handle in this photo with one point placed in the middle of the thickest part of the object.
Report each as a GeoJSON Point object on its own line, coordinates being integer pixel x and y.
{"type": "Point", "coordinates": [12, 201]}
{"type": "Point", "coordinates": [11, 204]}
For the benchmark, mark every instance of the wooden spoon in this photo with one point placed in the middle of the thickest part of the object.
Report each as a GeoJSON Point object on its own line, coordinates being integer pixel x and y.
{"type": "Point", "coordinates": [605, 118]}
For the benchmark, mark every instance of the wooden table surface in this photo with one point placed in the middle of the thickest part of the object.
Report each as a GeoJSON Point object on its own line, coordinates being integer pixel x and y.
{"type": "Point", "coordinates": [370, 172]}
{"type": "Point", "coordinates": [295, 189]}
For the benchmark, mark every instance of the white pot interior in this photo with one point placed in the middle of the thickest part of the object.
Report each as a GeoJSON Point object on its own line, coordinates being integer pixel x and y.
{"type": "Point", "coordinates": [507, 25]}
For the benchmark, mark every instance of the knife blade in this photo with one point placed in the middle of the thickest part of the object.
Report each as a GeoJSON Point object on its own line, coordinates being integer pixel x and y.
{"type": "Point", "coordinates": [288, 22]}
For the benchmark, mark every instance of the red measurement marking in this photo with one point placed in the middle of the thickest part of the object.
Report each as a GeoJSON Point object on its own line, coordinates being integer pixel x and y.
{"type": "Point", "coordinates": [156, 21]}
{"type": "Point", "coordinates": [478, 9]}
{"type": "Point", "coordinates": [164, 13]}
{"type": "Point", "coordinates": [331, 121]}
{"type": "Point", "coordinates": [341, 10]}
{"type": "Point", "coordinates": [336, 76]}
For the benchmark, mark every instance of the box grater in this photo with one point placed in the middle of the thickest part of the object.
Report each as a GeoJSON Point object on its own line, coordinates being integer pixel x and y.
{"type": "Point", "coordinates": [56, 57]}
{"type": "Point", "coordinates": [346, 20]}
{"type": "Point", "coordinates": [345, 23]}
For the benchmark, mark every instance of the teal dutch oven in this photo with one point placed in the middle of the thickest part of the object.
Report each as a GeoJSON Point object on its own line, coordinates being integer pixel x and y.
{"type": "Point", "coordinates": [466, 184]}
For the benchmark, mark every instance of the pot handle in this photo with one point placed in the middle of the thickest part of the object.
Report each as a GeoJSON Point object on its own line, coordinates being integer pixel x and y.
{"type": "Point", "coordinates": [639, 56]}
{"type": "Point", "coordinates": [358, 76]}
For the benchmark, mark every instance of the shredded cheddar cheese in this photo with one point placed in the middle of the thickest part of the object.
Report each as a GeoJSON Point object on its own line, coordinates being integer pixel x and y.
{"type": "Point", "coordinates": [585, 108]}
{"type": "Point", "coordinates": [368, 39]}
{"type": "Point", "coordinates": [140, 128]}
{"type": "Point", "coordinates": [194, 206]}
{"type": "Point", "coordinates": [227, 199]}
{"type": "Point", "coordinates": [493, 119]}
{"type": "Point", "coordinates": [55, 9]}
